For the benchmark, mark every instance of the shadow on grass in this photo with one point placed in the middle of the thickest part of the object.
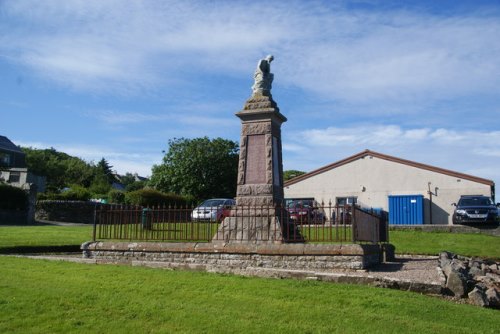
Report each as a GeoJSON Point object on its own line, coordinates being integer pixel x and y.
{"type": "Point", "coordinates": [40, 249]}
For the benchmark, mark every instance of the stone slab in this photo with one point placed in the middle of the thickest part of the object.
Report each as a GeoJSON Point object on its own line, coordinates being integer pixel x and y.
{"type": "Point", "coordinates": [255, 167]}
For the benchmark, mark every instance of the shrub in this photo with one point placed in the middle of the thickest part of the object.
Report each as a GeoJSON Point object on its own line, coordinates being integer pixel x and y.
{"type": "Point", "coordinates": [12, 198]}
{"type": "Point", "coordinates": [137, 185]}
{"type": "Point", "coordinates": [75, 193]}
{"type": "Point", "coordinates": [116, 196]}
{"type": "Point", "coordinates": [151, 197]}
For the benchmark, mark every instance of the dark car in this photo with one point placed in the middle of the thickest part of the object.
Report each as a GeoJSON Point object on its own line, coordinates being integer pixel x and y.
{"type": "Point", "coordinates": [475, 209]}
{"type": "Point", "coordinates": [305, 211]}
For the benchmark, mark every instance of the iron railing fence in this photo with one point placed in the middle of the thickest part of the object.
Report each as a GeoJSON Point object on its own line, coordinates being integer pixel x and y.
{"type": "Point", "coordinates": [322, 224]}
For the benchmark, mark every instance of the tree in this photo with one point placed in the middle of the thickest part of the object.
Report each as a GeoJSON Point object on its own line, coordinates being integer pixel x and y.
{"type": "Point", "coordinates": [132, 182]}
{"type": "Point", "coordinates": [290, 174]}
{"type": "Point", "coordinates": [103, 168]}
{"type": "Point", "coordinates": [200, 168]}
{"type": "Point", "coordinates": [60, 169]}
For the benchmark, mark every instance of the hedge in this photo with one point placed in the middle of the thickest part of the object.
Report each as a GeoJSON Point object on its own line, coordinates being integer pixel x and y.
{"type": "Point", "coordinates": [13, 198]}
{"type": "Point", "coordinates": [151, 197]}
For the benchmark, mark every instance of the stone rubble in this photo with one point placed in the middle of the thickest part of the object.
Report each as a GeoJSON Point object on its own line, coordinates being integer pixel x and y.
{"type": "Point", "coordinates": [472, 278]}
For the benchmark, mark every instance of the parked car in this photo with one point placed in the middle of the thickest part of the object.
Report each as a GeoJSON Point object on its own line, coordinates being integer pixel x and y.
{"type": "Point", "coordinates": [342, 214]}
{"type": "Point", "coordinates": [215, 209]}
{"type": "Point", "coordinates": [305, 211]}
{"type": "Point", "coordinates": [475, 209]}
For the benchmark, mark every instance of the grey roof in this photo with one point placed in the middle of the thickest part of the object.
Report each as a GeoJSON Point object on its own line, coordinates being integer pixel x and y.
{"type": "Point", "coordinates": [7, 145]}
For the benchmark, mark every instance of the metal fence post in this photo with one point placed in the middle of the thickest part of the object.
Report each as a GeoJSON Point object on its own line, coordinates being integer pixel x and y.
{"type": "Point", "coordinates": [354, 223]}
{"type": "Point", "coordinates": [95, 223]}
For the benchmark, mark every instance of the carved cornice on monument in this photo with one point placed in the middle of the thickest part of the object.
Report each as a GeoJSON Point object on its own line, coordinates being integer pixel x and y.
{"type": "Point", "coordinates": [260, 106]}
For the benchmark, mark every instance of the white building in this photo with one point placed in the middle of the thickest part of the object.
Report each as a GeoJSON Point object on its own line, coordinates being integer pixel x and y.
{"type": "Point", "coordinates": [369, 178]}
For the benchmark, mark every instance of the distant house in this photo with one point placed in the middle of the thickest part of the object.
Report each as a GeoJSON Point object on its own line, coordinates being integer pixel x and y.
{"type": "Point", "coordinates": [120, 185]}
{"type": "Point", "coordinates": [376, 180]}
{"type": "Point", "coordinates": [13, 168]}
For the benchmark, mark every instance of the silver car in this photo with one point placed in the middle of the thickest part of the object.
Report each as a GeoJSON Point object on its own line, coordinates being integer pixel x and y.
{"type": "Point", "coordinates": [215, 209]}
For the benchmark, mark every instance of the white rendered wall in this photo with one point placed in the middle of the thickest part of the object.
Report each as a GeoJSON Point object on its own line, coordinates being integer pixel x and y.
{"type": "Point", "coordinates": [372, 180]}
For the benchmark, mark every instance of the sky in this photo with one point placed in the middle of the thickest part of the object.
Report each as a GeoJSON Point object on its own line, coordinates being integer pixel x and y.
{"type": "Point", "coordinates": [419, 80]}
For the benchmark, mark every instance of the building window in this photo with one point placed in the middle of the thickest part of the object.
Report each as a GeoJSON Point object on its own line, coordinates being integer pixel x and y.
{"type": "Point", "coordinates": [4, 159]}
{"type": "Point", "coordinates": [14, 177]}
{"type": "Point", "coordinates": [346, 201]}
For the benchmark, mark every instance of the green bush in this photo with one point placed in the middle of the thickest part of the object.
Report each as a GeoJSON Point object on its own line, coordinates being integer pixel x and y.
{"type": "Point", "coordinates": [151, 197]}
{"type": "Point", "coordinates": [116, 196]}
{"type": "Point", "coordinates": [136, 185]}
{"type": "Point", "coordinates": [75, 193]}
{"type": "Point", "coordinates": [12, 198]}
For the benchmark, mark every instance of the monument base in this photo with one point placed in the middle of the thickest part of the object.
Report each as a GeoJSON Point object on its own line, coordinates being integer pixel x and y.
{"type": "Point", "coordinates": [250, 229]}
{"type": "Point", "coordinates": [258, 225]}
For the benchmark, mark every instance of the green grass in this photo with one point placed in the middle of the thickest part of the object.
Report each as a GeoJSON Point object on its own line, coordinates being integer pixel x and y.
{"type": "Point", "coordinates": [38, 296]}
{"type": "Point", "coordinates": [36, 236]}
{"type": "Point", "coordinates": [162, 231]}
{"type": "Point", "coordinates": [327, 234]}
{"type": "Point", "coordinates": [205, 231]}
{"type": "Point", "coordinates": [406, 242]}
{"type": "Point", "coordinates": [467, 244]}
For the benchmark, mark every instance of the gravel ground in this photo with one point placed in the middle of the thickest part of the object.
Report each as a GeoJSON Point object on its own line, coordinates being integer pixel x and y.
{"type": "Point", "coordinates": [421, 269]}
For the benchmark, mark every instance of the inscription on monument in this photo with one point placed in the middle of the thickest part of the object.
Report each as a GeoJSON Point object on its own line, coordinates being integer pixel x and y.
{"type": "Point", "coordinates": [255, 171]}
{"type": "Point", "coordinates": [276, 166]}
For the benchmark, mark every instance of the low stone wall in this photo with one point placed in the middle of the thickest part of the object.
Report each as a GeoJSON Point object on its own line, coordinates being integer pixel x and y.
{"type": "Point", "coordinates": [66, 211]}
{"type": "Point", "coordinates": [15, 217]}
{"type": "Point", "coordinates": [238, 258]}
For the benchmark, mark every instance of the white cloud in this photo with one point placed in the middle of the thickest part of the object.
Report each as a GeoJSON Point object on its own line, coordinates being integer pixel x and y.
{"type": "Point", "coordinates": [120, 117]}
{"type": "Point", "coordinates": [332, 62]}
{"type": "Point", "coordinates": [340, 54]}
{"type": "Point", "coordinates": [467, 151]}
{"type": "Point", "coordinates": [395, 135]}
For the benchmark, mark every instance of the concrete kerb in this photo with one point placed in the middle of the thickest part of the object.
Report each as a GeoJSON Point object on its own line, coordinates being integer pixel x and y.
{"type": "Point", "coordinates": [344, 276]}
{"type": "Point", "coordinates": [259, 260]}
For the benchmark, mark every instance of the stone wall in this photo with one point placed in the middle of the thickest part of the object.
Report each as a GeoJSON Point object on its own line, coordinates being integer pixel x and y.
{"type": "Point", "coordinates": [472, 278]}
{"type": "Point", "coordinates": [14, 217]}
{"type": "Point", "coordinates": [66, 211]}
{"type": "Point", "coordinates": [238, 258]}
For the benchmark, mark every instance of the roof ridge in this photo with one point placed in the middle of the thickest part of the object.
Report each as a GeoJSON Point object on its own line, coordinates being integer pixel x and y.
{"type": "Point", "coordinates": [388, 158]}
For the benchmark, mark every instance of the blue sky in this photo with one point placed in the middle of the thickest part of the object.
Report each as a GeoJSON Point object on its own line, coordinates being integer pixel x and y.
{"type": "Point", "coordinates": [117, 79]}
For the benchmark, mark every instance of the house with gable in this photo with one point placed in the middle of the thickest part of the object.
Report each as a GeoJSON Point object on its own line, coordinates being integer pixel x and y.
{"type": "Point", "coordinates": [13, 168]}
{"type": "Point", "coordinates": [373, 180]}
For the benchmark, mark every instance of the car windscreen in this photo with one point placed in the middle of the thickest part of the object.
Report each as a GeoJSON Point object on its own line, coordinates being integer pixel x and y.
{"type": "Point", "coordinates": [212, 203]}
{"type": "Point", "coordinates": [300, 204]}
{"type": "Point", "coordinates": [475, 201]}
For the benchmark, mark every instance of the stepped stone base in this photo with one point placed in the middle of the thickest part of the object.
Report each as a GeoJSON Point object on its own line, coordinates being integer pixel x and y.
{"type": "Point", "coordinates": [232, 257]}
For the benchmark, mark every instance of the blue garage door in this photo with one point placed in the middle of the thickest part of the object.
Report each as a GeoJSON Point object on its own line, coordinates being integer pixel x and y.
{"type": "Point", "coordinates": [406, 210]}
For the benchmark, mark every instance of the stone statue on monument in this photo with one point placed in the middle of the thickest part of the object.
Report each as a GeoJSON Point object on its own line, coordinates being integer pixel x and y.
{"type": "Point", "coordinates": [263, 77]}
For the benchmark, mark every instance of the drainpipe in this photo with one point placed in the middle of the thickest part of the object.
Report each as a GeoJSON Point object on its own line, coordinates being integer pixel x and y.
{"type": "Point", "coordinates": [430, 202]}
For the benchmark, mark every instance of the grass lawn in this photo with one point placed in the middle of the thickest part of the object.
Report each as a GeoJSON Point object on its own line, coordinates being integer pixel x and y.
{"type": "Point", "coordinates": [43, 236]}
{"type": "Point", "coordinates": [467, 244]}
{"type": "Point", "coordinates": [406, 242]}
{"type": "Point", "coordinates": [38, 296]}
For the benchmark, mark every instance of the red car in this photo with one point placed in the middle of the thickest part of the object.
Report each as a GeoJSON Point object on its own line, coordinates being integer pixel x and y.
{"type": "Point", "coordinates": [305, 211]}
